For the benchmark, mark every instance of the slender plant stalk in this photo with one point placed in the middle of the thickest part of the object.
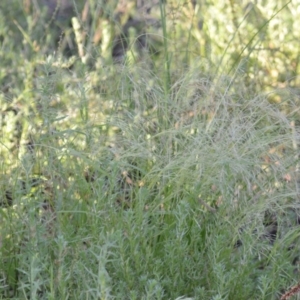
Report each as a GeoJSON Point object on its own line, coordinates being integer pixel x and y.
{"type": "Point", "coordinates": [167, 76]}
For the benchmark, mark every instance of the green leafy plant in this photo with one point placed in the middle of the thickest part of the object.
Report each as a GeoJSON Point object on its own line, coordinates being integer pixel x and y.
{"type": "Point", "coordinates": [157, 173]}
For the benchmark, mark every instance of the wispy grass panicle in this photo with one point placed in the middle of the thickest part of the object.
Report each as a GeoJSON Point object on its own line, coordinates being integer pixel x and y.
{"type": "Point", "coordinates": [132, 167]}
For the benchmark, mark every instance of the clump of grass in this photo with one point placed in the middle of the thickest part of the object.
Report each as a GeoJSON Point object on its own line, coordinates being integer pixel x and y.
{"type": "Point", "coordinates": [201, 208]}
{"type": "Point", "coordinates": [128, 185]}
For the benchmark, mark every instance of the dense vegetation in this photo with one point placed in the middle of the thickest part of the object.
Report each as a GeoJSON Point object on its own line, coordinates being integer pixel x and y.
{"type": "Point", "coordinates": [149, 149]}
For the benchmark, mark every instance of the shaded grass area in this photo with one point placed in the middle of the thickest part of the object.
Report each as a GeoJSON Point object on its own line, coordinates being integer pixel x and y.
{"type": "Point", "coordinates": [143, 181]}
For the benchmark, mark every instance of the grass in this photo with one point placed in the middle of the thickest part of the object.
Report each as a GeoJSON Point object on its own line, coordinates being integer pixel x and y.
{"type": "Point", "coordinates": [144, 181]}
